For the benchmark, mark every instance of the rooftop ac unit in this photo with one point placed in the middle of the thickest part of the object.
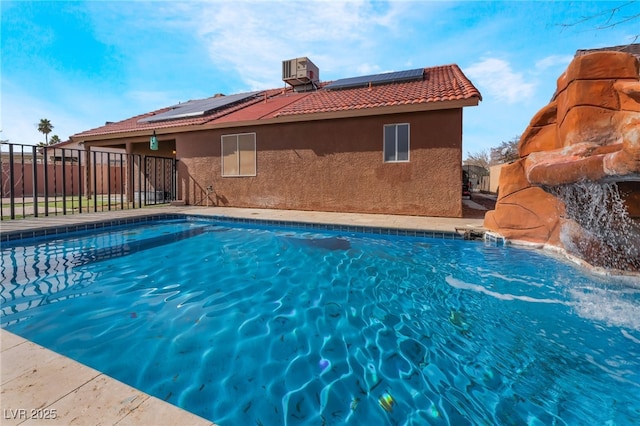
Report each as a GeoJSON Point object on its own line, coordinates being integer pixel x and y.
{"type": "Point", "coordinates": [300, 71]}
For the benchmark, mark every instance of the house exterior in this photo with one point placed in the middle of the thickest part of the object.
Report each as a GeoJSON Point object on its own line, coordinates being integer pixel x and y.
{"type": "Point", "coordinates": [386, 143]}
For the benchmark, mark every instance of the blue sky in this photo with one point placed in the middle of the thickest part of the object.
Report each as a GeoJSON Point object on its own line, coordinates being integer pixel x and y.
{"type": "Point", "coordinates": [81, 63]}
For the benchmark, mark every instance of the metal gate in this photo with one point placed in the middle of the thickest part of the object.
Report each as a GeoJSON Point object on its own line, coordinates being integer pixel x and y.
{"type": "Point", "coordinates": [48, 181]}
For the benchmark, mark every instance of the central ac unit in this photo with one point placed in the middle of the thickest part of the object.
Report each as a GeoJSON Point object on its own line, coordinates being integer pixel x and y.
{"type": "Point", "coordinates": [300, 71]}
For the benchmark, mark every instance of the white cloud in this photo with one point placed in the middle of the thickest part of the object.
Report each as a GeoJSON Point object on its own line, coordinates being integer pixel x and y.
{"type": "Point", "coordinates": [495, 78]}
{"type": "Point", "coordinates": [553, 61]}
{"type": "Point", "coordinates": [252, 38]}
{"type": "Point", "coordinates": [366, 69]}
{"type": "Point", "coordinates": [20, 122]}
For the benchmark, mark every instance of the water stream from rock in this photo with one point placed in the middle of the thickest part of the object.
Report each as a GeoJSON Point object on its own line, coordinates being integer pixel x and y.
{"type": "Point", "coordinates": [609, 237]}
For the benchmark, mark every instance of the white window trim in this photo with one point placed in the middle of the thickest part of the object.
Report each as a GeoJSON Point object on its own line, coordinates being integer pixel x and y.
{"type": "Point", "coordinates": [396, 141]}
{"type": "Point", "coordinates": [255, 155]}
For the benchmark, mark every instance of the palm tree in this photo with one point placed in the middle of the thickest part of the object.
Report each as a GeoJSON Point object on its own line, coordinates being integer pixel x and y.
{"type": "Point", "coordinates": [54, 140]}
{"type": "Point", "coordinates": [45, 128]}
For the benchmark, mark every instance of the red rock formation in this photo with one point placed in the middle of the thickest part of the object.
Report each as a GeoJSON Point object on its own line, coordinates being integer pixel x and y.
{"type": "Point", "coordinates": [590, 131]}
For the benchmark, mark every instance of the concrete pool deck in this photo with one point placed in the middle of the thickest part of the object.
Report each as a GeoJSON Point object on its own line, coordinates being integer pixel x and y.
{"type": "Point", "coordinates": [38, 384]}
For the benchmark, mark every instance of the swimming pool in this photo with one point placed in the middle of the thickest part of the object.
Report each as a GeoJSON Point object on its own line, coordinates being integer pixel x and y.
{"type": "Point", "coordinates": [249, 324]}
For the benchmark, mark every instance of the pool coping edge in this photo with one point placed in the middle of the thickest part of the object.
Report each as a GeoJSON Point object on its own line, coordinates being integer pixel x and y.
{"type": "Point", "coordinates": [13, 236]}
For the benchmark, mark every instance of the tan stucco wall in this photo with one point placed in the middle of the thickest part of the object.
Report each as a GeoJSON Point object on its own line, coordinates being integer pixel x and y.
{"type": "Point", "coordinates": [494, 173]}
{"type": "Point", "coordinates": [333, 165]}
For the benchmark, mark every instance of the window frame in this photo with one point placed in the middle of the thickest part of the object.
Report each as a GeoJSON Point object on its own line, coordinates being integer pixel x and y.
{"type": "Point", "coordinates": [384, 143]}
{"type": "Point", "coordinates": [237, 150]}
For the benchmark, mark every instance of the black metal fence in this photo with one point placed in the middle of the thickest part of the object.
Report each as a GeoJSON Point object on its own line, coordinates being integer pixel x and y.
{"type": "Point", "coordinates": [48, 181]}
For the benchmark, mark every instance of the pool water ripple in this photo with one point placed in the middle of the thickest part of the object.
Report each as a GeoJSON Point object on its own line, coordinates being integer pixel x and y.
{"type": "Point", "coordinates": [250, 325]}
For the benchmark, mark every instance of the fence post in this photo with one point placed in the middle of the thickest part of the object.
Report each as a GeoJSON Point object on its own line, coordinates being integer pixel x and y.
{"type": "Point", "coordinates": [121, 183]}
{"type": "Point", "coordinates": [95, 184]}
{"type": "Point", "coordinates": [87, 173]}
{"type": "Point", "coordinates": [34, 163]}
{"type": "Point", "coordinates": [142, 162]}
{"type": "Point", "coordinates": [64, 183]}
{"type": "Point", "coordinates": [22, 186]}
{"type": "Point", "coordinates": [45, 168]}
{"type": "Point", "coordinates": [12, 192]}
{"type": "Point", "coordinates": [174, 179]}
{"type": "Point", "coordinates": [79, 181]}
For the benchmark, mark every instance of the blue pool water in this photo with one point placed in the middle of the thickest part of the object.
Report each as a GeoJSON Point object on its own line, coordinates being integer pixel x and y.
{"type": "Point", "coordinates": [249, 325]}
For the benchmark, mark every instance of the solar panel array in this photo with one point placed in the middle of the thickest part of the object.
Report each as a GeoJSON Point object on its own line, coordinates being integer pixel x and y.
{"type": "Point", "coordinates": [198, 107]}
{"type": "Point", "coordinates": [376, 79]}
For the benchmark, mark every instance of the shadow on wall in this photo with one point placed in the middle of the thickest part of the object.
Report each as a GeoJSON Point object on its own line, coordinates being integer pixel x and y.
{"type": "Point", "coordinates": [198, 195]}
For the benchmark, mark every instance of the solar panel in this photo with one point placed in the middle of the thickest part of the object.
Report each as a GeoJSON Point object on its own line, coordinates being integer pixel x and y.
{"type": "Point", "coordinates": [376, 79]}
{"type": "Point", "coordinates": [198, 107]}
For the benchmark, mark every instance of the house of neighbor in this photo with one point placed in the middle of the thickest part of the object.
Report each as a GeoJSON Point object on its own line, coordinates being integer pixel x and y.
{"type": "Point", "coordinates": [385, 143]}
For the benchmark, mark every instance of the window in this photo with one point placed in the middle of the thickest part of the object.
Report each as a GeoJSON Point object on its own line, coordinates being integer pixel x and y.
{"type": "Point", "coordinates": [239, 155]}
{"type": "Point", "coordinates": [396, 142]}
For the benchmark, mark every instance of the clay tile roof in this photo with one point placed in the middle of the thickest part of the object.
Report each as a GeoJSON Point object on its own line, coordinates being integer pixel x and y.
{"type": "Point", "coordinates": [438, 84]}
{"type": "Point", "coordinates": [442, 83]}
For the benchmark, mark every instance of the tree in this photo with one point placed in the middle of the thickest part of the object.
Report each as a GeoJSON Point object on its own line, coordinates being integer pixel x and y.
{"type": "Point", "coordinates": [480, 158]}
{"type": "Point", "coordinates": [45, 128]}
{"type": "Point", "coordinates": [609, 18]}
{"type": "Point", "coordinates": [505, 152]}
{"type": "Point", "coordinates": [54, 140]}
